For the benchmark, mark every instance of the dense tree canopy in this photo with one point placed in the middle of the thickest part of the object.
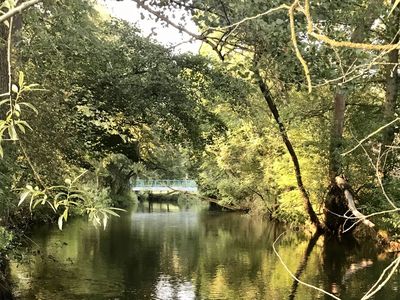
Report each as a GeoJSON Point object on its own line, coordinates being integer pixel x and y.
{"type": "Point", "coordinates": [261, 118]}
{"type": "Point", "coordinates": [342, 53]}
{"type": "Point", "coordinates": [290, 110]}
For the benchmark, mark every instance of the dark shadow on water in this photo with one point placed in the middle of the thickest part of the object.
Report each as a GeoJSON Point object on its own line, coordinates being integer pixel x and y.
{"type": "Point", "coordinates": [339, 256]}
{"type": "Point", "coordinates": [343, 262]}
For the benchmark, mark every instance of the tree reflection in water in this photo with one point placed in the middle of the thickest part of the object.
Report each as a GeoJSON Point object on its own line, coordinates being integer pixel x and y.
{"type": "Point", "coordinates": [175, 253]}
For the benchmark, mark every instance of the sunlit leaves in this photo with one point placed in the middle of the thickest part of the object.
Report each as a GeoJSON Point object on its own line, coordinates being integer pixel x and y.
{"type": "Point", "coordinates": [61, 199]}
{"type": "Point", "coordinates": [13, 122]}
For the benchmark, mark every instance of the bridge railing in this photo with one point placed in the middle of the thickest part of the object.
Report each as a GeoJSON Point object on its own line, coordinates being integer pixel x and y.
{"type": "Point", "coordinates": [149, 183]}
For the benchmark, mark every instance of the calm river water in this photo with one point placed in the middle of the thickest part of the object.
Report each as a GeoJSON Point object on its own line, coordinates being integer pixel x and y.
{"type": "Point", "coordinates": [168, 252]}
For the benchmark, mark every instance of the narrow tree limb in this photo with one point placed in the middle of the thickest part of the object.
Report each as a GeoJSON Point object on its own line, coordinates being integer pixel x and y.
{"type": "Point", "coordinates": [343, 185]}
{"type": "Point", "coordinates": [18, 9]}
{"type": "Point", "coordinates": [162, 17]}
{"type": "Point", "coordinates": [294, 276]}
{"type": "Point", "coordinates": [379, 283]}
{"type": "Point", "coordinates": [370, 135]}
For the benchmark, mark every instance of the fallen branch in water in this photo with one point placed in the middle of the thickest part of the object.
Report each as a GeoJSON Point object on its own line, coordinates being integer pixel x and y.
{"type": "Point", "coordinates": [356, 212]}
{"type": "Point", "coordinates": [210, 200]}
{"type": "Point", "coordinates": [343, 185]}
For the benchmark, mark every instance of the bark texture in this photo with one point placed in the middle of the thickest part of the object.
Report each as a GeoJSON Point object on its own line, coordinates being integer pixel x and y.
{"type": "Point", "coordinates": [3, 59]}
{"type": "Point", "coordinates": [392, 89]}
{"type": "Point", "coordinates": [340, 204]}
{"type": "Point", "coordinates": [282, 131]}
{"type": "Point", "coordinates": [337, 134]}
{"type": "Point", "coordinates": [339, 99]}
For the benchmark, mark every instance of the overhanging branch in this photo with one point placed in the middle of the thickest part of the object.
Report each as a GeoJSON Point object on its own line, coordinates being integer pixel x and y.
{"type": "Point", "coordinates": [162, 17]}
{"type": "Point", "coordinates": [18, 9]}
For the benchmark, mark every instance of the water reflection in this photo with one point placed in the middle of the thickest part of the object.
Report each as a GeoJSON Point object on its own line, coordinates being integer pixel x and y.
{"type": "Point", "coordinates": [163, 251]}
{"type": "Point", "coordinates": [167, 288]}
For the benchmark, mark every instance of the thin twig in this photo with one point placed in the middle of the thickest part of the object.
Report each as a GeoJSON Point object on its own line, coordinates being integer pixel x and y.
{"type": "Point", "coordinates": [378, 176]}
{"type": "Point", "coordinates": [375, 288]}
{"type": "Point", "coordinates": [369, 136]}
{"type": "Point", "coordinates": [164, 18]}
{"type": "Point", "coordinates": [295, 46]}
{"type": "Point", "coordinates": [246, 19]}
{"type": "Point", "coordinates": [35, 173]}
{"type": "Point", "coordinates": [9, 41]}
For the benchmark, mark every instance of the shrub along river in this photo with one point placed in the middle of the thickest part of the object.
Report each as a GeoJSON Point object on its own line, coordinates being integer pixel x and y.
{"type": "Point", "coordinates": [163, 251]}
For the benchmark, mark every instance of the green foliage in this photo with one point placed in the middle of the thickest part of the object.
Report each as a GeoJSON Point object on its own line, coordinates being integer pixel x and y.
{"type": "Point", "coordinates": [236, 162]}
{"type": "Point", "coordinates": [108, 96]}
{"type": "Point", "coordinates": [6, 237]}
{"type": "Point", "coordinates": [121, 106]}
{"type": "Point", "coordinates": [64, 198]}
{"type": "Point", "coordinates": [13, 121]}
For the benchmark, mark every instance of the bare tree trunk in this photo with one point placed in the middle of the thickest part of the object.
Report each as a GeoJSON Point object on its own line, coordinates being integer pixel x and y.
{"type": "Point", "coordinates": [336, 141]}
{"type": "Point", "coordinates": [3, 59]}
{"type": "Point", "coordinates": [282, 130]}
{"type": "Point", "coordinates": [392, 82]}
{"type": "Point", "coordinates": [336, 202]}
{"type": "Point", "coordinates": [339, 100]}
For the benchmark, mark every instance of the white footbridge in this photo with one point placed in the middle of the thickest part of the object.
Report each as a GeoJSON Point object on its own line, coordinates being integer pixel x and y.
{"type": "Point", "coordinates": [164, 185]}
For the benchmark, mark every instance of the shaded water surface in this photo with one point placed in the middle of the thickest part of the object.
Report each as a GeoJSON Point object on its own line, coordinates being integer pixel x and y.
{"type": "Point", "coordinates": [167, 252]}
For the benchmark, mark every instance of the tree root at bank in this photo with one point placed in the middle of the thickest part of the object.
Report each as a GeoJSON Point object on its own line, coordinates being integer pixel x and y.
{"type": "Point", "coordinates": [341, 213]}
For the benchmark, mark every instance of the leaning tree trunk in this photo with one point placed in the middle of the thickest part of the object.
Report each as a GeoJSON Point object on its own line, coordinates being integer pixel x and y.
{"type": "Point", "coordinates": [282, 131]}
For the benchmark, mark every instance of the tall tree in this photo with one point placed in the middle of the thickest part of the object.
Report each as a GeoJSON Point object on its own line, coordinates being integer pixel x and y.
{"type": "Point", "coordinates": [364, 20]}
{"type": "Point", "coordinates": [391, 84]}
{"type": "Point", "coordinates": [227, 39]}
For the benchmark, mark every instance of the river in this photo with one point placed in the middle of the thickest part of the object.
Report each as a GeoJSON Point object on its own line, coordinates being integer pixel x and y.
{"type": "Point", "coordinates": [163, 251]}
